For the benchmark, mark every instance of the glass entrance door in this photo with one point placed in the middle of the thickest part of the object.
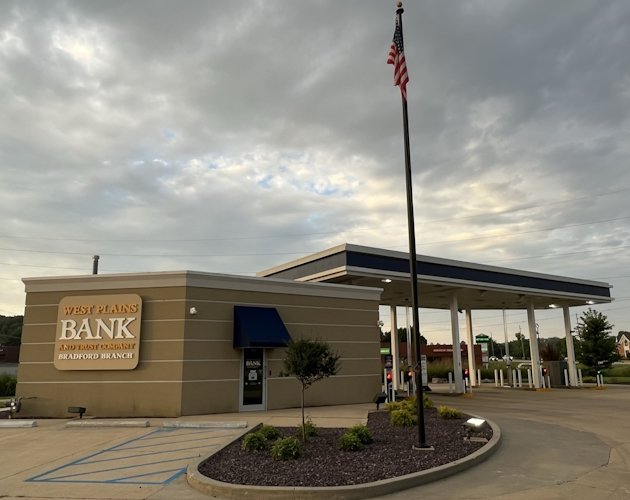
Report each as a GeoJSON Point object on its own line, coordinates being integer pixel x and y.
{"type": "Point", "coordinates": [253, 386]}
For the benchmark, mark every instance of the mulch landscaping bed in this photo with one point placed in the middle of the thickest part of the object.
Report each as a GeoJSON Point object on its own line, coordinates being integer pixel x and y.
{"type": "Point", "coordinates": [322, 463]}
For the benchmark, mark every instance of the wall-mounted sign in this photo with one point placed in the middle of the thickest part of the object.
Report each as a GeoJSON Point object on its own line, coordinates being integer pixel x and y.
{"type": "Point", "coordinates": [482, 339]}
{"type": "Point", "coordinates": [98, 332]}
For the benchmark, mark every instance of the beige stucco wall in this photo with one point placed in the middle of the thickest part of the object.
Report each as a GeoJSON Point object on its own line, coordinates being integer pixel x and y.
{"type": "Point", "coordinates": [153, 388]}
{"type": "Point", "coordinates": [187, 363]}
{"type": "Point", "coordinates": [347, 323]}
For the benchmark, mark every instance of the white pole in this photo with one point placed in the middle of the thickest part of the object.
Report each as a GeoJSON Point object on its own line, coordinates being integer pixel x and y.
{"type": "Point", "coordinates": [395, 345]}
{"type": "Point", "coordinates": [505, 333]}
{"type": "Point", "coordinates": [470, 344]}
{"type": "Point", "coordinates": [457, 350]}
{"type": "Point", "coordinates": [408, 326]}
{"type": "Point", "coordinates": [570, 348]}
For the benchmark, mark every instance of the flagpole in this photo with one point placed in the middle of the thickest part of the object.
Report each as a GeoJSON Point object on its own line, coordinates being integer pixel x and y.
{"type": "Point", "coordinates": [413, 272]}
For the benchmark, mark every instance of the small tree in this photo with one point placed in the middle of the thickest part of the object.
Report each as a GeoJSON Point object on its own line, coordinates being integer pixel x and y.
{"type": "Point", "coordinates": [596, 347]}
{"type": "Point", "coordinates": [310, 361]}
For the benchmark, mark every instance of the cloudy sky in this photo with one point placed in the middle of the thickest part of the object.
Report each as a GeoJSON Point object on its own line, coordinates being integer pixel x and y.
{"type": "Point", "coordinates": [233, 136]}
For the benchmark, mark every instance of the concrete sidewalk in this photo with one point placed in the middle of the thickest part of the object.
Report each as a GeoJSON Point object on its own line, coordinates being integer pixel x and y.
{"type": "Point", "coordinates": [53, 460]}
{"type": "Point", "coordinates": [557, 444]}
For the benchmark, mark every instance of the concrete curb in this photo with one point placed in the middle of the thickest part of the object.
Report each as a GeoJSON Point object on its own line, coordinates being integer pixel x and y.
{"type": "Point", "coordinates": [14, 424]}
{"type": "Point", "coordinates": [212, 487]}
{"type": "Point", "coordinates": [178, 424]}
{"type": "Point", "coordinates": [107, 423]}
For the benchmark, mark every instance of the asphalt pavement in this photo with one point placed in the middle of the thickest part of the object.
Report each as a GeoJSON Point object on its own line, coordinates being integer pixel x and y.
{"type": "Point", "coordinates": [557, 444]}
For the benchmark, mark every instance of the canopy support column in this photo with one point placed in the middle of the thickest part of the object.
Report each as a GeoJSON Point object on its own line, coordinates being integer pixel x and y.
{"type": "Point", "coordinates": [533, 345]}
{"type": "Point", "coordinates": [573, 378]}
{"type": "Point", "coordinates": [394, 347]}
{"type": "Point", "coordinates": [472, 371]}
{"type": "Point", "coordinates": [457, 353]}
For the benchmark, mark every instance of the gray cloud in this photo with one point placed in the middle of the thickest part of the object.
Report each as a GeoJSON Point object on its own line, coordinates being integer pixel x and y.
{"type": "Point", "coordinates": [234, 136]}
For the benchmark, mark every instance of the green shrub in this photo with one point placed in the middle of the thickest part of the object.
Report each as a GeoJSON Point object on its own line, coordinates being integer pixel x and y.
{"type": "Point", "coordinates": [426, 402]}
{"type": "Point", "coordinates": [286, 449]}
{"type": "Point", "coordinates": [269, 432]}
{"type": "Point", "coordinates": [310, 429]}
{"type": "Point", "coordinates": [350, 442]}
{"type": "Point", "coordinates": [394, 405]}
{"type": "Point", "coordinates": [255, 441]}
{"type": "Point", "coordinates": [7, 384]}
{"type": "Point", "coordinates": [447, 412]}
{"type": "Point", "coordinates": [402, 418]}
{"type": "Point", "coordinates": [362, 432]}
{"type": "Point", "coordinates": [409, 404]}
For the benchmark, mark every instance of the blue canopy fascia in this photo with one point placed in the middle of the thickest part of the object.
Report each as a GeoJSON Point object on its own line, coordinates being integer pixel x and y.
{"type": "Point", "coordinates": [259, 327]}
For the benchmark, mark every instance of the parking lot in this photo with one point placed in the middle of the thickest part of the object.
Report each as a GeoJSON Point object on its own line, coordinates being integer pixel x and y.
{"type": "Point", "coordinates": [556, 444]}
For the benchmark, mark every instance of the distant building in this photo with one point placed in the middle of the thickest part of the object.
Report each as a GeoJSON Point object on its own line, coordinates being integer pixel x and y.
{"type": "Point", "coordinates": [623, 344]}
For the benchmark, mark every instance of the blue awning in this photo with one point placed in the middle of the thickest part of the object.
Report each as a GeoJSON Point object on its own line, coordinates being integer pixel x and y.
{"type": "Point", "coordinates": [259, 327]}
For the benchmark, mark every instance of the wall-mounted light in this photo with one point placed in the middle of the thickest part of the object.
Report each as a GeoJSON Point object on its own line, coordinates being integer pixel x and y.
{"type": "Point", "coordinates": [386, 280]}
{"type": "Point", "coordinates": [193, 311]}
{"type": "Point", "coordinates": [553, 306]}
{"type": "Point", "coordinates": [590, 302]}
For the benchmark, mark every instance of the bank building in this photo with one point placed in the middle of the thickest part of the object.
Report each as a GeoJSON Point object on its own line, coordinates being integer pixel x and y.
{"type": "Point", "coordinates": [174, 343]}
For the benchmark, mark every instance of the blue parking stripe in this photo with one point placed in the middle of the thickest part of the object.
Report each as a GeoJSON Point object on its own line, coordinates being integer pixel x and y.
{"type": "Point", "coordinates": [75, 471]}
{"type": "Point", "coordinates": [77, 474]}
{"type": "Point", "coordinates": [147, 454]}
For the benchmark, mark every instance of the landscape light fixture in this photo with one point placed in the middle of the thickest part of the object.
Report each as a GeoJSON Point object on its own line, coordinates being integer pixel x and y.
{"type": "Point", "coordinates": [474, 425]}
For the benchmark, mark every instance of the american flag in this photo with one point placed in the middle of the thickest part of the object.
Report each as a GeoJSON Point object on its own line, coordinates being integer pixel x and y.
{"type": "Point", "coordinates": [396, 57]}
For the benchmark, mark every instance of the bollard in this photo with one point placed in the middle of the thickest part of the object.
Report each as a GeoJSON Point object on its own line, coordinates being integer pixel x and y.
{"type": "Point", "coordinates": [478, 378]}
{"type": "Point", "coordinates": [580, 381]}
{"type": "Point", "coordinates": [548, 382]}
{"type": "Point", "coordinates": [529, 378]}
{"type": "Point", "coordinates": [514, 379]}
{"type": "Point", "coordinates": [450, 382]}
{"type": "Point", "coordinates": [496, 377]}
{"type": "Point", "coordinates": [600, 379]}
{"type": "Point", "coordinates": [566, 377]}
{"type": "Point", "coordinates": [520, 378]}
{"type": "Point", "coordinates": [501, 376]}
